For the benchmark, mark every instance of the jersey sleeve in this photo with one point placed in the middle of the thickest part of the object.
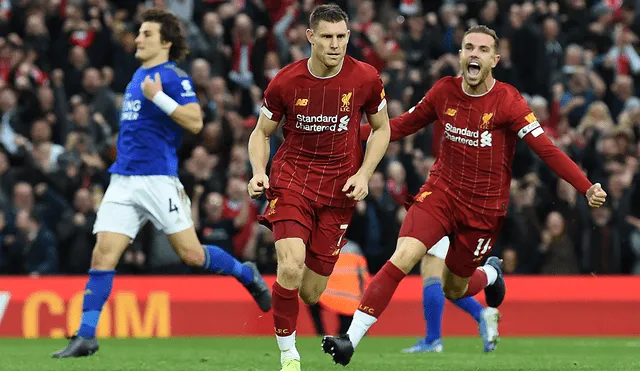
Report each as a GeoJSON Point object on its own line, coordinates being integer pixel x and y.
{"type": "Point", "coordinates": [418, 116]}
{"type": "Point", "coordinates": [179, 87]}
{"type": "Point", "coordinates": [521, 118]}
{"type": "Point", "coordinates": [273, 106]}
{"type": "Point", "coordinates": [525, 124]}
{"type": "Point", "coordinates": [377, 100]}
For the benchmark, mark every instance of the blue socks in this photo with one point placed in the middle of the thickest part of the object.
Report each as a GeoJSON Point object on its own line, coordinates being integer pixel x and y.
{"type": "Point", "coordinates": [98, 287]}
{"type": "Point", "coordinates": [96, 294]}
{"type": "Point", "coordinates": [433, 305]}
{"type": "Point", "coordinates": [470, 305]}
{"type": "Point", "coordinates": [221, 262]}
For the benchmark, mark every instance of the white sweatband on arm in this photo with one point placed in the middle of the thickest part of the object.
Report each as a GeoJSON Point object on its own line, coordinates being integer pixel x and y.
{"type": "Point", "coordinates": [165, 103]}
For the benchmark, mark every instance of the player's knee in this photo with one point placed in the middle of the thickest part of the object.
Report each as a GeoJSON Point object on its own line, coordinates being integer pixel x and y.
{"type": "Point", "coordinates": [310, 296]}
{"type": "Point", "coordinates": [453, 292]}
{"type": "Point", "coordinates": [192, 256]}
{"type": "Point", "coordinates": [104, 257]}
{"type": "Point", "coordinates": [405, 257]}
{"type": "Point", "coordinates": [290, 272]}
{"type": "Point", "coordinates": [431, 267]}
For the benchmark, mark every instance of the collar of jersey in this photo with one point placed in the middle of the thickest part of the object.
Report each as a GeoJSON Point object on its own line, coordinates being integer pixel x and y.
{"type": "Point", "coordinates": [324, 77]}
{"type": "Point", "coordinates": [477, 95]}
{"type": "Point", "coordinates": [157, 65]}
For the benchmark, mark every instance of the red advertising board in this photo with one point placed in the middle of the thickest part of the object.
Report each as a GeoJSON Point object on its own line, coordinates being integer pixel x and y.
{"type": "Point", "coordinates": [209, 306]}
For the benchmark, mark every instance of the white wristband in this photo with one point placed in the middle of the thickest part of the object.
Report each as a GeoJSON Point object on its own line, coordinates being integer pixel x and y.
{"type": "Point", "coordinates": [165, 103]}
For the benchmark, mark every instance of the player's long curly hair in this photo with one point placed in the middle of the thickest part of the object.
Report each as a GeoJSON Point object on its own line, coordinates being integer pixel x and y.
{"type": "Point", "coordinates": [170, 31]}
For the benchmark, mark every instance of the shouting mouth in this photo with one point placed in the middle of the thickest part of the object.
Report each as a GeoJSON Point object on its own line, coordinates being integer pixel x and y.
{"type": "Point", "coordinates": [474, 68]}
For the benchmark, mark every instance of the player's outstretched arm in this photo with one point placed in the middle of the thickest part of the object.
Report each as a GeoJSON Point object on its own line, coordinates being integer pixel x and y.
{"type": "Point", "coordinates": [525, 124]}
{"type": "Point", "coordinates": [565, 168]}
{"type": "Point", "coordinates": [418, 117]}
{"type": "Point", "coordinates": [259, 149]}
{"type": "Point", "coordinates": [188, 116]}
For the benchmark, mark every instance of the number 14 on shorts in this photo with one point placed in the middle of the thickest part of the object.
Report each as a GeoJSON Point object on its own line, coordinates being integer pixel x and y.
{"type": "Point", "coordinates": [483, 247]}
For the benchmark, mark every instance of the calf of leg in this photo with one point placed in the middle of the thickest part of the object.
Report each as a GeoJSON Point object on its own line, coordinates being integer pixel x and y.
{"type": "Point", "coordinates": [188, 247]}
{"type": "Point", "coordinates": [454, 286]}
{"type": "Point", "coordinates": [312, 286]}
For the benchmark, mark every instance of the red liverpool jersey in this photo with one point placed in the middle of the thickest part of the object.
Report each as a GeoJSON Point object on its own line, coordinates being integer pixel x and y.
{"type": "Point", "coordinates": [479, 139]}
{"type": "Point", "coordinates": [321, 127]}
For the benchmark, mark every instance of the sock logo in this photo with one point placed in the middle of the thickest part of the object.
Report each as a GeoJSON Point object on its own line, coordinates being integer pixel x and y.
{"type": "Point", "coordinates": [5, 297]}
{"type": "Point", "coordinates": [282, 332]}
{"type": "Point", "coordinates": [366, 309]}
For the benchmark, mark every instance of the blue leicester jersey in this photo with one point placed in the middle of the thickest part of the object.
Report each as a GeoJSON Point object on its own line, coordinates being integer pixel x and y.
{"type": "Point", "coordinates": [149, 139]}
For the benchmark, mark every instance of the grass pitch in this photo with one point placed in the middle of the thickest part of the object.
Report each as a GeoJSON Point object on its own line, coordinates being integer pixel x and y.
{"type": "Point", "coordinates": [373, 354]}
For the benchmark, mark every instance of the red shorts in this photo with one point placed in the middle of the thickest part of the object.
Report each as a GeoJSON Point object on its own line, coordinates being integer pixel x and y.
{"type": "Point", "coordinates": [434, 214]}
{"type": "Point", "coordinates": [322, 228]}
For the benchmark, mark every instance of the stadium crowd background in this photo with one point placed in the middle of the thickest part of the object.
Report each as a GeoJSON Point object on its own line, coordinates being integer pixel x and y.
{"type": "Point", "coordinates": [64, 65]}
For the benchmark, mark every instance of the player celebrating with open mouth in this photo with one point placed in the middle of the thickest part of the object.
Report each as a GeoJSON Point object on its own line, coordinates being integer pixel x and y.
{"type": "Point", "coordinates": [467, 193]}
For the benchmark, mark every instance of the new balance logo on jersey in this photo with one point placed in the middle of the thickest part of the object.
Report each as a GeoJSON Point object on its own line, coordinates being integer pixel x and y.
{"type": "Point", "coordinates": [314, 123]}
{"type": "Point", "coordinates": [422, 196]}
{"type": "Point", "coordinates": [472, 138]}
{"type": "Point", "coordinates": [302, 102]}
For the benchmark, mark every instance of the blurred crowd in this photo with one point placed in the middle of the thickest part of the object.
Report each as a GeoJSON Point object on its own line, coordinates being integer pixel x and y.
{"type": "Point", "coordinates": [64, 65]}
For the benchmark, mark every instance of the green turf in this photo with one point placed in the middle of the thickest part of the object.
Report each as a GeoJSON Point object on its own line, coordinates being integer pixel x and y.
{"type": "Point", "coordinates": [374, 354]}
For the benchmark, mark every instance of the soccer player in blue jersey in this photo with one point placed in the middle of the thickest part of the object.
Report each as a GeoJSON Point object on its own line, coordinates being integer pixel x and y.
{"type": "Point", "coordinates": [159, 103]}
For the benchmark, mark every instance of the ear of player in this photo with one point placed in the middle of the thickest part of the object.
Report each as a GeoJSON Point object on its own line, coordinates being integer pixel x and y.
{"type": "Point", "coordinates": [596, 196]}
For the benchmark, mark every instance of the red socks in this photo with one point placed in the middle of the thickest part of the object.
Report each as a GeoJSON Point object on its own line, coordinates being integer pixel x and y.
{"type": "Point", "coordinates": [285, 309]}
{"type": "Point", "coordinates": [477, 283]}
{"type": "Point", "coordinates": [380, 291]}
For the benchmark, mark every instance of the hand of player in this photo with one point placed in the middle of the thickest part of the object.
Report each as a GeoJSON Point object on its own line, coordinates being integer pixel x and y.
{"type": "Point", "coordinates": [357, 187]}
{"type": "Point", "coordinates": [257, 185]}
{"type": "Point", "coordinates": [151, 87]}
{"type": "Point", "coordinates": [596, 195]}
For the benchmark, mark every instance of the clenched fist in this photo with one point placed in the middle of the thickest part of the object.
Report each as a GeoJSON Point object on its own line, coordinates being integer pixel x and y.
{"type": "Point", "coordinates": [596, 195]}
{"type": "Point", "coordinates": [257, 185]}
{"type": "Point", "coordinates": [357, 187]}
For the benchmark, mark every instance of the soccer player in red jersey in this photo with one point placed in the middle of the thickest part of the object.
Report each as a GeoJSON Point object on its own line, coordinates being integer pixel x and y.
{"type": "Point", "coordinates": [467, 192]}
{"type": "Point", "coordinates": [319, 173]}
